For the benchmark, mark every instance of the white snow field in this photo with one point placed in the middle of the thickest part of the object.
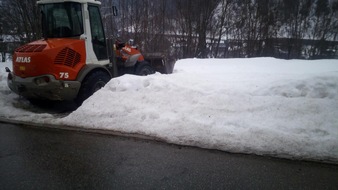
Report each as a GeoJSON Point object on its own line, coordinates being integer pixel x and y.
{"type": "Point", "coordinates": [264, 106]}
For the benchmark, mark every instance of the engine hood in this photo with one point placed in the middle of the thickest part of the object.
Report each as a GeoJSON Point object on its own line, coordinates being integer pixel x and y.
{"type": "Point", "coordinates": [50, 56]}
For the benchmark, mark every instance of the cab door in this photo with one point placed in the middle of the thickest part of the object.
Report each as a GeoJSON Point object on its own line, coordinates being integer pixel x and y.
{"type": "Point", "coordinates": [97, 31]}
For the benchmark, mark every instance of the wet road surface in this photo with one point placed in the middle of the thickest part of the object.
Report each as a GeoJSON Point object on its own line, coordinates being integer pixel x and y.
{"type": "Point", "coordinates": [35, 158]}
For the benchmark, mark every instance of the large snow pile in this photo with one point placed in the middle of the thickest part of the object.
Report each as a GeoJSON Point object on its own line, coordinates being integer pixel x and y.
{"type": "Point", "coordinates": [261, 105]}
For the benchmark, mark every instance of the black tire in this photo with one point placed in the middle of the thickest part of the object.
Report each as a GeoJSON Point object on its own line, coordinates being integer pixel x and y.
{"type": "Point", "coordinates": [144, 68]}
{"type": "Point", "coordinates": [52, 106]}
{"type": "Point", "coordinates": [42, 103]}
{"type": "Point", "coordinates": [92, 83]}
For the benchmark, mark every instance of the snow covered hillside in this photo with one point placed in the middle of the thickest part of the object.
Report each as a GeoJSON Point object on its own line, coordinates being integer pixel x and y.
{"type": "Point", "coordinates": [265, 106]}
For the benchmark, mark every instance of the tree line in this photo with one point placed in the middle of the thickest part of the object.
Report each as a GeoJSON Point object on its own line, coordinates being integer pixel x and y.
{"type": "Point", "coordinates": [231, 28]}
{"type": "Point", "coordinates": [205, 28]}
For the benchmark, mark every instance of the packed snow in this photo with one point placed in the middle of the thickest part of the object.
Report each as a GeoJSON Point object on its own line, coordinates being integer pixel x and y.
{"type": "Point", "coordinates": [264, 106]}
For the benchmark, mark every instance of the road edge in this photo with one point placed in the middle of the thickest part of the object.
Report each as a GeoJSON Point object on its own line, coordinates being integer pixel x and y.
{"type": "Point", "coordinates": [145, 137]}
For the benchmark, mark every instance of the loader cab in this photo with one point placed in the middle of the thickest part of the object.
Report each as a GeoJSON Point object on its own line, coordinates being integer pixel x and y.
{"type": "Point", "coordinates": [76, 20]}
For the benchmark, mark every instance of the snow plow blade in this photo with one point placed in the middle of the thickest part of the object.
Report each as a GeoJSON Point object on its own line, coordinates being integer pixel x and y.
{"type": "Point", "coordinates": [160, 62]}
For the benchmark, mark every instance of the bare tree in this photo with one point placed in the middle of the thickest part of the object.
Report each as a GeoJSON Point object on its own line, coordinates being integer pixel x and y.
{"type": "Point", "coordinates": [202, 28]}
{"type": "Point", "coordinates": [22, 18]}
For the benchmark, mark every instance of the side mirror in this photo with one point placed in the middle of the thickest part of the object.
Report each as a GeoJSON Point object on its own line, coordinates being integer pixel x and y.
{"type": "Point", "coordinates": [115, 10]}
{"type": "Point", "coordinates": [131, 42]}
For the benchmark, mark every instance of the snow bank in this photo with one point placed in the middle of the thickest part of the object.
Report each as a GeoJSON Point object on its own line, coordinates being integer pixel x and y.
{"type": "Point", "coordinates": [263, 106]}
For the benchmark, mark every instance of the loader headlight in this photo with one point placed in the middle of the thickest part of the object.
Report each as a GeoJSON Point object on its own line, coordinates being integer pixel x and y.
{"type": "Point", "coordinates": [42, 80]}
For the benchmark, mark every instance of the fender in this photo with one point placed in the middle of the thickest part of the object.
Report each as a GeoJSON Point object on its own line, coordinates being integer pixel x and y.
{"type": "Point", "coordinates": [89, 68]}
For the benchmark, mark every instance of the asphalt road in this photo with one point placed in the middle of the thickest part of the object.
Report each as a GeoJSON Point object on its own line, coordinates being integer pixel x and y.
{"type": "Point", "coordinates": [35, 158]}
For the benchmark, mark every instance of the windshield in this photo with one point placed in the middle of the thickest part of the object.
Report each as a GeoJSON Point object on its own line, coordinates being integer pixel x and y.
{"type": "Point", "coordinates": [60, 20]}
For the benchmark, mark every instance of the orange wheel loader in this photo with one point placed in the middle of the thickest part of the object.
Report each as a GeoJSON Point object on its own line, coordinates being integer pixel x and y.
{"type": "Point", "coordinates": [73, 59]}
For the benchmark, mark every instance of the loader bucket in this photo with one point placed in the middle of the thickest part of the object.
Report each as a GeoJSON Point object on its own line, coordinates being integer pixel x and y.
{"type": "Point", "coordinates": [160, 62]}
